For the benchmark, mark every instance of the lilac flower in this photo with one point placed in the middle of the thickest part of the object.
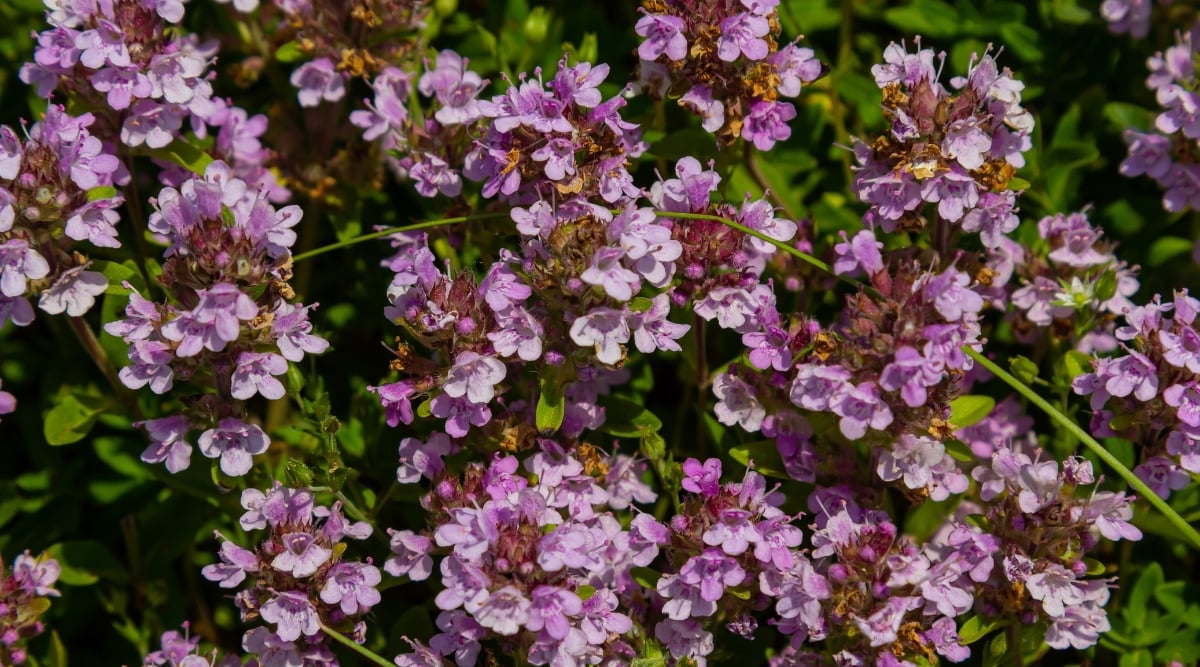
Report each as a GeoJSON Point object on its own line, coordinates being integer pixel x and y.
{"type": "Point", "coordinates": [700, 100]}
{"type": "Point", "coordinates": [911, 374]}
{"type": "Point", "coordinates": [605, 329]}
{"type": "Point", "coordinates": [155, 125]}
{"type": "Point", "coordinates": [1079, 627]}
{"type": "Point", "coordinates": [474, 376]}
{"type": "Point", "coordinates": [737, 403]}
{"type": "Point", "coordinates": [235, 442]}
{"type": "Point", "coordinates": [742, 34]}
{"type": "Point", "coordinates": [767, 123]}
{"type": "Point", "coordinates": [254, 374]}
{"type": "Point", "coordinates": [235, 563]}
{"type": "Point", "coordinates": [653, 331]}
{"type": "Point", "coordinates": [168, 442]}
{"type": "Point", "coordinates": [861, 251]}
{"type": "Point", "coordinates": [460, 413]}
{"type": "Point", "coordinates": [93, 222]}
{"type": "Point", "coordinates": [292, 614]}
{"type": "Point", "coordinates": [410, 555]}
{"type": "Point", "coordinates": [301, 556]}
{"type": "Point", "coordinates": [352, 587]}
{"type": "Point", "coordinates": [504, 611]}
{"type": "Point", "coordinates": [214, 321]}
{"type": "Point", "coordinates": [550, 608]}
{"type": "Point", "coordinates": [733, 532]}
{"type": "Point", "coordinates": [318, 80]}
{"type": "Point", "coordinates": [292, 332]}
{"type": "Point", "coordinates": [859, 408]}
{"type": "Point", "coordinates": [818, 387]}
{"type": "Point", "coordinates": [455, 87]}
{"type": "Point", "coordinates": [19, 262]}
{"type": "Point", "coordinates": [607, 271]}
{"type": "Point", "coordinates": [419, 459]}
{"type": "Point", "coordinates": [279, 506]}
{"type": "Point", "coordinates": [663, 35]}
{"type": "Point", "coordinates": [685, 639]}
{"type": "Point", "coordinates": [880, 627]}
{"type": "Point", "coordinates": [74, 292]}
{"type": "Point", "coordinates": [149, 364]}
{"type": "Point", "coordinates": [704, 479]}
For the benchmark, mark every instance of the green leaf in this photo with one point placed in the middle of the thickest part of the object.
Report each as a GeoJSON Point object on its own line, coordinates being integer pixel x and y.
{"type": "Point", "coordinates": [57, 657]}
{"type": "Point", "coordinates": [976, 627]}
{"type": "Point", "coordinates": [184, 152]}
{"type": "Point", "coordinates": [585, 593]}
{"type": "Point", "coordinates": [1025, 370]}
{"type": "Point", "coordinates": [971, 409]}
{"type": "Point", "coordinates": [764, 454]}
{"type": "Point", "coordinates": [625, 419]}
{"type": "Point", "coordinates": [551, 406]}
{"type": "Point", "coordinates": [645, 577]}
{"type": "Point", "coordinates": [289, 52]}
{"type": "Point", "coordinates": [959, 450]}
{"type": "Point", "coordinates": [1123, 115]}
{"type": "Point", "coordinates": [84, 562]}
{"type": "Point", "coordinates": [1166, 248]}
{"type": "Point", "coordinates": [1094, 567]}
{"type": "Point", "coordinates": [117, 274]}
{"type": "Point", "coordinates": [101, 192]}
{"type": "Point", "coordinates": [925, 17]}
{"type": "Point", "coordinates": [1135, 610]}
{"type": "Point", "coordinates": [1138, 658]}
{"type": "Point", "coordinates": [71, 418]}
{"type": "Point", "coordinates": [996, 650]}
{"type": "Point", "coordinates": [1023, 40]}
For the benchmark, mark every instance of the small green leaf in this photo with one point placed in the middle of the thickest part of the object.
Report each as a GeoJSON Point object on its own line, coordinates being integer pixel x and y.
{"type": "Point", "coordinates": [925, 17]}
{"type": "Point", "coordinates": [1025, 370]}
{"type": "Point", "coordinates": [640, 304]}
{"type": "Point", "coordinates": [1138, 658]}
{"type": "Point", "coordinates": [101, 192]}
{"type": "Point", "coordinates": [71, 418]}
{"type": "Point", "coordinates": [585, 593]}
{"type": "Point", "coordinates": [1018, 183]}
{"type": "Point", "coordinates": [645, 577]}
{"type": "Point", "coordinates": [183, 152]}
{"type": "Point", "coordinates": [976, 627]}
{"type": "Point", "coordinates": [959, 450]}
{"type": "Point", "coordinates": [971, 409]}
{"type": "Point", "coordinates": [1094, 567]}
{"type": "Point", "coordinates": [424, 410]}
{"type": "Point", "coordinates": [57, 657]}
{"type": "Point", "coordinates": [624, 418]}
{"type": "Point", "coordinates": [84, 563]}
{"type": "Point", "coordinates": [739, 592]}
{"type": "Point", "coordinates": [996, 650]}
{"type": "Point", "coordinates": [289, 52]}
{"type": "Point", "coordinates": [551, 405]}
{"type": "Point", "coordinates": [1167, 248]}
{"type": "Point", "coordinates": [764, 455]}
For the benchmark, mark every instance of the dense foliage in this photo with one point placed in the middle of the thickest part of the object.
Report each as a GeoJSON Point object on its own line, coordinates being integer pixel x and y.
{"type": "Point", "coordinates": [425, 333]}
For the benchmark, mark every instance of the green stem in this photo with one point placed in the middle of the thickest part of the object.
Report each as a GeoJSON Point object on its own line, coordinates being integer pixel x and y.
{"type": "Point", "coordinates": [1098, 449]}
{"type": "Point", "coordinates": [395, 230]}
{"type": "Point", "coordinates": [371, 656]}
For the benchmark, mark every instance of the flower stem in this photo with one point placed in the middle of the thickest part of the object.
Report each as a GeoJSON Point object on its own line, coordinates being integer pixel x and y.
{"type": "Point", "coordinates": [370, 655]}
{"type": "Point", "coordinates": [396, 230]}
{"type": "Point", "coordinates": [760, 178]}
{"type": "Point", "coordinates": [87, 339]}
{"type": "Point", "coordinates": [1098, 449]}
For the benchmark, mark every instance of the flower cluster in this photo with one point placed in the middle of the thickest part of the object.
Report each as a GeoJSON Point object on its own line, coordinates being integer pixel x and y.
{"type": "Point", "coordinates": [227, 243]}
{"type": "Point", "coordinates": [145, 80]}
{"type": "Point", "coordinates": [1040, 532]}
{"type": "Point", "coordinates": [56, 190]}
{"type": "Point", "coordinates": [122, 56]}
{"type": "Point", "coordinates": [183, 650]}
{"type": "Point", "coordinates": [23, 599]}
{"type": "Point", "coordinates": [1170, 154]}
{"type": "Point", "coordinates": [538, 565]}
{"type": "Point", "coordinates": [433, 150]}
{"type": "Point", "coordinates": [1149, 390]}
{"type": "Point", "coordinates": [1071, 282]}
{"type": "Point", "coordinates": [725, 61]}
{"type": "Point", "coordinates": [556, 139]}
{"type": "Point", "coordinates": [955, 151]}
{"type": "Point", "coordinates": [298, 578]}
{"type": "Point", "coordinates": [889, 370]}
{"type": "Point", "coordinates": [729, 552]}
